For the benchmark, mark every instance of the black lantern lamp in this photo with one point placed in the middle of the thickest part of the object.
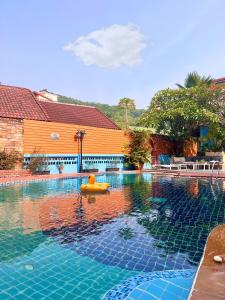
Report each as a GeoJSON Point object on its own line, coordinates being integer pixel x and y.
{"type": "Point", "coordinates": [80, 136]}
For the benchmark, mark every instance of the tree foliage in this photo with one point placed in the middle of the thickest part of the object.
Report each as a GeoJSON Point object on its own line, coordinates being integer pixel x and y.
{"type": "Point", "coordinates": [195, 79]}
{"type": "Point", "coordinates": [8, 160]}
{"type": "Point", "coordinates": [127, 104]}
{"type": "Point", "coordinates": [180, 112]}
{"type": "Point", "coordinates": [138, 148]}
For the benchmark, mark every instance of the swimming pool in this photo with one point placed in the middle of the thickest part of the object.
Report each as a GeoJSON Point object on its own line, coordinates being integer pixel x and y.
{"type": "Point", "coordinates": [58, 244]}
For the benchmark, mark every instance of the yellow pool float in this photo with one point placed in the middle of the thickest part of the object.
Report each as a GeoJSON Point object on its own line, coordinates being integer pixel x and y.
{"type": "Point", "coordinates": [93, 186]}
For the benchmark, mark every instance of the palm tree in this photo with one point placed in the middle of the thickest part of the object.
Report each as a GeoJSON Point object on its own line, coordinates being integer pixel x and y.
{"type": "Point", "coordinates": [127, 104]}
{"type": "Point", "coordinates": [194, 79]}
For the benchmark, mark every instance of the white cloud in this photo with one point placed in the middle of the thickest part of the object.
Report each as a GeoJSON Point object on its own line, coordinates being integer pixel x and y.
{"type": "Point", "coordinates": [110, 47]}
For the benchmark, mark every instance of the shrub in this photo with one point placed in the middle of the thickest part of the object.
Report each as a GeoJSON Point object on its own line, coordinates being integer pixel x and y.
{"type": "Point", "coordinates": [38, 163]}
{"type": "Point", "coordinates": [8, 160]}
{"type": "Point", "coordinates": [138, 148]}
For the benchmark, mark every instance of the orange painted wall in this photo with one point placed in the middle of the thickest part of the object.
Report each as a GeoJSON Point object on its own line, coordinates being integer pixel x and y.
{"type": "Point", "coordinates": [37, 137]}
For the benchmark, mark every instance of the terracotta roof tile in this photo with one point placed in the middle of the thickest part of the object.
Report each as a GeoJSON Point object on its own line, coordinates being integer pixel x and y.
{"type": "Point", "coordinates": [76, 114]}
{"type": "Point", "coordinates": [219, 80]}
{"type": "Point", "coordinates": [20, 103]}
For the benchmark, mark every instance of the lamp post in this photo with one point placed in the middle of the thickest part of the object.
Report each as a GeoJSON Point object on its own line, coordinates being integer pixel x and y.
{"type": "Point", "coordinates": [80, 136]}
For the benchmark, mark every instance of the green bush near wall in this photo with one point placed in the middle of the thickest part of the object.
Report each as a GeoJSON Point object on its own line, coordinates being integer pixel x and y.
{"type": "Point", "coordinates": [8, 160]}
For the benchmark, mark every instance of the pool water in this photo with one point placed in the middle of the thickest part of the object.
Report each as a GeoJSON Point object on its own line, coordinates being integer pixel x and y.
{"type": "Point", "coordinates": [56, 243]}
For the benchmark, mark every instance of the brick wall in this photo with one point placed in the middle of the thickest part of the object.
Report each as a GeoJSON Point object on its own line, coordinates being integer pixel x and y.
{"type": "Point", "coordinates": [11, 134]}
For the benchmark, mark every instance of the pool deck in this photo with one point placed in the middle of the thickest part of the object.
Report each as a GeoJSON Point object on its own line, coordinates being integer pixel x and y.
{"type": "Point", "coordinates": [163, 172]}
{"type": "Point", "coordinates": [188, 173]}
{"type": "Point", "coordinates": [209, 283]}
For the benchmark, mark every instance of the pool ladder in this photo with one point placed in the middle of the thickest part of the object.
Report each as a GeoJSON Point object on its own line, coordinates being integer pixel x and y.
{"type": "Point", "coordinates": [215, 162]}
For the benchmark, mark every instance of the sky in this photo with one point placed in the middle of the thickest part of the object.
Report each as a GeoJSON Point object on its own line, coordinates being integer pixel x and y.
{"type": "Point", "coordinates": [104, 50]}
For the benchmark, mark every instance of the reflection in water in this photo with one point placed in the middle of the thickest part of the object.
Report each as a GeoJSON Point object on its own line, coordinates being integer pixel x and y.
{"type": "Point", "coordinates": [142, 224]}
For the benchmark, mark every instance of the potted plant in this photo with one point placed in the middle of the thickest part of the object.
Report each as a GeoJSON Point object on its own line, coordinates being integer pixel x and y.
{"type": "Point", "coordinates": [60, 167]}
{"type": "Point", "coordinates": [138, 158]}
{"type": "Point", "coordinates": [113, 166]}
{"type": "Point", "coordinates": [138, 149]}
{"type": "Point", "coordinates": [39, 165]}
{"type": "Point", "coordinates": [90, 167]}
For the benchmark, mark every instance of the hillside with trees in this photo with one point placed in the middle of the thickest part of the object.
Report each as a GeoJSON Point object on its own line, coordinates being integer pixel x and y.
{"type": "Point", "coordinates": [114, 112]}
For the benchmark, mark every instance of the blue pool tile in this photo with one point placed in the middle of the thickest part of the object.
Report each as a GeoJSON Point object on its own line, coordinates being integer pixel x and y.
{"type": "Point", "coordinates": [167, 296]}
{"type": "Point", "coordinates": [152, 288]}
{"type": "Point", "coordinates": [185, 294]}
{"type": "Point", "coordinates": [174, 289]}
{"type": "Point", "coordinates": [182, 282]}
{"type": "Point", "coordinates": [156, 284]}
{"type": "Point", "coordinates": [160, 283]}
{"type": "Point", "coordinates": [136, 294]}
{"type": "Point", "coordinates": [141, 295]}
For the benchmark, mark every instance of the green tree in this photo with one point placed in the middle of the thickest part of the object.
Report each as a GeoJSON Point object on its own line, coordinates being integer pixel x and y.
{"type": "Point", "coordinates": [180, 112]}
{"type": "Point", "coordinates": [215, 140]}
{"type": "Point", "coordinates": [193, 79]}
{"type": "Point", "coordinates": [127, 104]}
{"type": "Point", "coordinates": [138, 148]}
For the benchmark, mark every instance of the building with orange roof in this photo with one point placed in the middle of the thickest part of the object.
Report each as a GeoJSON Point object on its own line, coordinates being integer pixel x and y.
{"type": "Point", "coordinates": [35, 124]}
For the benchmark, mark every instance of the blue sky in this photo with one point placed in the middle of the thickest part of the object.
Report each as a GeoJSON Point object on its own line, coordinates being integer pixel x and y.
{"type": "Point", "coordinates": [103, 50]}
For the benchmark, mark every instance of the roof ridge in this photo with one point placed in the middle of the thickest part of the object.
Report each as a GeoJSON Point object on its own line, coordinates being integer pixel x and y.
{"type": "Point", "coordinates": [13, 86]}
{"type": "Point", "coordinates": [108, 118]}
{"type": "Point", "coordinates": [69, 97]}
{"type": "Point", "coordinates": [50, 101]}
{"type": "Point", "coordinates": [42, 109]}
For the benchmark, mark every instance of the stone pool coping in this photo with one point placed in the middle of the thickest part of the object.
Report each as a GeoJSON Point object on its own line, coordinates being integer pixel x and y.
{"type": "Point", "coordinates": [209, 282]}
{"type": "Point", "coordinates": [5, 181]}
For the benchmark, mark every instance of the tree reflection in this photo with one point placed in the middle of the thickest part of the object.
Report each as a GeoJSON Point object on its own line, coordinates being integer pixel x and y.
{"type": "Point", "coordinates": [185, 220]}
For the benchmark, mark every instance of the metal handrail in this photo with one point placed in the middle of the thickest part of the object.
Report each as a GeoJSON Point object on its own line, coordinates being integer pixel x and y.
{"type": "Point", "coordinates": [218, 169]}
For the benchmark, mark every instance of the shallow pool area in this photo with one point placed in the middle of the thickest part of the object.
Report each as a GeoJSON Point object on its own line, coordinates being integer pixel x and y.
{"type": "Point", "coordinates": [56, 243]}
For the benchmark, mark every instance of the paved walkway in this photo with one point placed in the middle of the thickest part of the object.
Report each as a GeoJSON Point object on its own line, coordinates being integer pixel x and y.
{"type": "Point", "coordinates": [210, 279]}
{"type": "Point", "coordinates": [204, 174]}
{"type": "Point", "coordinates": [188, 173]}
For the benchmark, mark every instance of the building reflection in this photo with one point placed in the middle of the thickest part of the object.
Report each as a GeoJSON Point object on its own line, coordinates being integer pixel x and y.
{"type": "Point", "coordinates": [161, 206]}
{"type": "Point", "coordinates": [54, 212]}
{"type": "Point", "coordinates": [62, 210]}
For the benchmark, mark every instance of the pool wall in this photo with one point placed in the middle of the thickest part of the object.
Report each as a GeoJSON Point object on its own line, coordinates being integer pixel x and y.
{"type": "Point", "coordinates": [71, 162]}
